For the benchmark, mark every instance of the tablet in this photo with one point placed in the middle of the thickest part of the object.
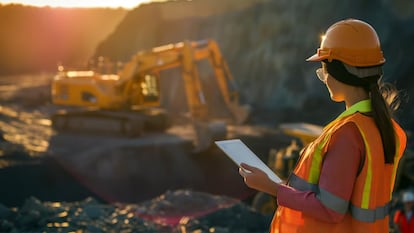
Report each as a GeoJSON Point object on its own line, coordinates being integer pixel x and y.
{"type": "Point", "coordinates": [237, 151]}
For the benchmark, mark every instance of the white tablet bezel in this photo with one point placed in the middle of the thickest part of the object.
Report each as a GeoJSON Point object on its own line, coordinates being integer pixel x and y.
{"type": "Point", "coordinates": [237, 151]}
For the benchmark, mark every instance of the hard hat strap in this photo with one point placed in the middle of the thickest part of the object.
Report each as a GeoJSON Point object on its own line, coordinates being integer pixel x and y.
{"type": "Point", "coordinates": [362, 72]}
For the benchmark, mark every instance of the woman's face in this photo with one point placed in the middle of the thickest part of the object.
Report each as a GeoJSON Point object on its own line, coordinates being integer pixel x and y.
{"type": "Point", "coordinates": [335, 87]}
{"type": "Point", "coordinates": [408, 205]}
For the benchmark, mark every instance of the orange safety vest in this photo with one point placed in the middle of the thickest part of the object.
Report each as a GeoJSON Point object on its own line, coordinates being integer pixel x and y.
{"type": "Point", "coordinates": [368, 208]}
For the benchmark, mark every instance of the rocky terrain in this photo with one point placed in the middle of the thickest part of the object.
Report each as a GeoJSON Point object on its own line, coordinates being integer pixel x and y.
{"type": "Point", "coordinates": [176, 211]}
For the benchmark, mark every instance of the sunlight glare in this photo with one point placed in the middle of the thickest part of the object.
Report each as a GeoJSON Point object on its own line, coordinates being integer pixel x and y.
{"type": "Point", "coordinates": [128, 4]}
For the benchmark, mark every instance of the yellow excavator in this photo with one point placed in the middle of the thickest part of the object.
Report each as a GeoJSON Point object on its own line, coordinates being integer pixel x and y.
{"type": "Point", "coordinates": [128, 102]}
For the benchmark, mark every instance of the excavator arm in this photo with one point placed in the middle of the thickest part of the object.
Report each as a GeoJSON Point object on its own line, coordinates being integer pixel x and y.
{"type": "Point", "coordinates": [185, 55]}
{"type": "Point", "coordinates": [209, 49]}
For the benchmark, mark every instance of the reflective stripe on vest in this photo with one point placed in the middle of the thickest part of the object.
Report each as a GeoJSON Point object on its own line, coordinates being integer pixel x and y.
{"type": "Point", "coordinates": [362, 106]}
{"type": "Point", "coordinates": [367, 187]}
{"type": "Point", "coordinates": [338, 204]}
{"type": "Point", "coordinates": [396, 160]}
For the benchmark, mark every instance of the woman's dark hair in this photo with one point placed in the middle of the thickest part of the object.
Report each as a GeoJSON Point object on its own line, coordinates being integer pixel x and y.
{"type": "Point", "coordinates": [385, 100]}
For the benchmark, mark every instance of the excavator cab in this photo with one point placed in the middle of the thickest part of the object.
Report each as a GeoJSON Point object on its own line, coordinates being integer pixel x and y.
{"type": "Point", "coordinates": [143, 91]}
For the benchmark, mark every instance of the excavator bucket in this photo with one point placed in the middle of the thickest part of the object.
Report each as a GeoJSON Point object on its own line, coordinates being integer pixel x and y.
{"type": "Point", "coordinates": [240, 113]}
{"type": "Point", "coordinates": [208, 132]}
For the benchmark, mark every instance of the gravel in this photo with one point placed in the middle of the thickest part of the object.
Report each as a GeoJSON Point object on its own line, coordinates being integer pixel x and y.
{"type": "Point", "coordinates": [175, 211]}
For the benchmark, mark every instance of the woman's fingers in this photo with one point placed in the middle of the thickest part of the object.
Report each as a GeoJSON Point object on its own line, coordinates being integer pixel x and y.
{"type": "Point", "coordinates": [248, 167]}
{"type": "Point", "coordinates": [257, 179]}
{"type": "Point", "coordinates": [243, 172]}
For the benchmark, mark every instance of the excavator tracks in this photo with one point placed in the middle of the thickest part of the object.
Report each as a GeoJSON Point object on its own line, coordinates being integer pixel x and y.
{"type": "Point", "coordinates": [122, 123]}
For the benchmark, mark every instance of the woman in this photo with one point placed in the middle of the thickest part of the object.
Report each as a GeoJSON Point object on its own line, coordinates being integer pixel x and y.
{"type": "Point", "coordinates": [344, 179]}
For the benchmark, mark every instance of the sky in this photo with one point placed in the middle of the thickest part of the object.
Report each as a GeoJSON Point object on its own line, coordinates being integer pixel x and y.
{"type": "Point", "coordinates": [128, 4]}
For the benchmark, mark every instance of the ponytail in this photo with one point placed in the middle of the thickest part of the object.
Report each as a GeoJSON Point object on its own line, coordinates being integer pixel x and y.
{"type": "Point", "coordinates": [384, 98]}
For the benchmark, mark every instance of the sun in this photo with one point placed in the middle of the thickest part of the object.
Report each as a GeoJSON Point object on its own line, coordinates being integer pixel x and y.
{"type": "Point", "coordinates": [128, 4]}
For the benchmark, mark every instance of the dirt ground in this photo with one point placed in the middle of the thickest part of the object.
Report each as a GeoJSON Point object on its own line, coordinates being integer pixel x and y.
{"type": "Point", "coordinates": [67, 182]}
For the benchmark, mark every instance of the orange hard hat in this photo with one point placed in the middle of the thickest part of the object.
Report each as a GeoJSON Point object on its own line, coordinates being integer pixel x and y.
{"type": "Point", "coordinates": [351, 41]}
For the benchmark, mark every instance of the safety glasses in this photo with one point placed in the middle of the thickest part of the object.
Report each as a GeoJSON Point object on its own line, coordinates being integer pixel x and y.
{"type": "Point", "coordinates": [321, 74]}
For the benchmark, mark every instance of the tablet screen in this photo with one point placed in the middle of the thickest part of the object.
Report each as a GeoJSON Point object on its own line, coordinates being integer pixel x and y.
{"type": "Point", "coordinates": [237, 151]}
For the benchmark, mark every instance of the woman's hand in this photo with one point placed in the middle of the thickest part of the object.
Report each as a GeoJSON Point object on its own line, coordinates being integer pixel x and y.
{"type": "Point", "coordinates": [257, 179]}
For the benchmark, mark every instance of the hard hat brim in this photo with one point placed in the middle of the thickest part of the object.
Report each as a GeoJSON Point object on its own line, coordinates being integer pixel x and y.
{"type": "Point", "coordinates": [317, 57]}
